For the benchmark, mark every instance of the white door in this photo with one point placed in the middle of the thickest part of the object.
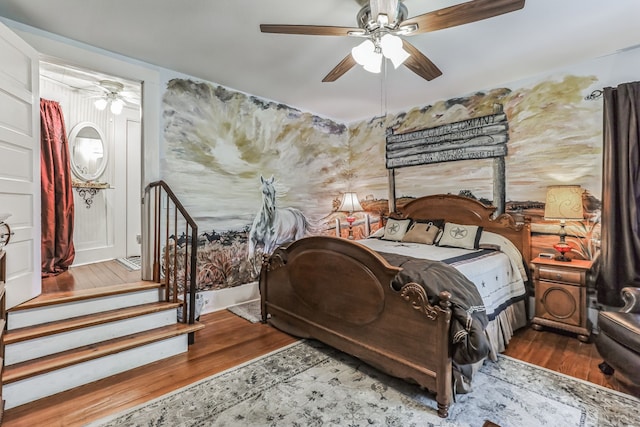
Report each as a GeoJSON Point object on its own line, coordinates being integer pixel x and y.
{"type": "Point", "coordinates": [20, 164]}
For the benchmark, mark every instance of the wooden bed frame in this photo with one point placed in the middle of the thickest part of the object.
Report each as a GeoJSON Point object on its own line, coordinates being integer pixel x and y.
{"type": "Point", "coordinates": [338, 292]}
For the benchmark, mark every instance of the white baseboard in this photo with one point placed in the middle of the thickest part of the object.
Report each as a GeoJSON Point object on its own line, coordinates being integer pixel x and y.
{"type": "Point", "coordinates": [223, 298]}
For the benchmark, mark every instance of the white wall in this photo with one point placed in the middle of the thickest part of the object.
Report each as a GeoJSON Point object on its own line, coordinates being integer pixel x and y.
{"type": "Point", "coordinates": [60, 50]}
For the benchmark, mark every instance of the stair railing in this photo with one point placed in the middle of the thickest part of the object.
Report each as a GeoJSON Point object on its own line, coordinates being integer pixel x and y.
{"type": "Point", "coordinates": [173, 248]}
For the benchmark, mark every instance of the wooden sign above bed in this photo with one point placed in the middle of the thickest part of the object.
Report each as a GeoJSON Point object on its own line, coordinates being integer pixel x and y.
{"type": "Point", "coordinates": [478, 138]}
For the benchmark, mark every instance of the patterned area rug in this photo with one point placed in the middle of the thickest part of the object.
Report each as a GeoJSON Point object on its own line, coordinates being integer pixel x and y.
{"type": "Point", "coordinates": [308, 384]}
{"type": "Point", "coordinates": [248, 310]}
{"type": "Point", "coordinates": [132, 263]}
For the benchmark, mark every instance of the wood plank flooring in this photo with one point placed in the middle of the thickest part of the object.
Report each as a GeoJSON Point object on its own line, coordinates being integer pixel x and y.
{"type": "Point", "coordinates": [228, 340]}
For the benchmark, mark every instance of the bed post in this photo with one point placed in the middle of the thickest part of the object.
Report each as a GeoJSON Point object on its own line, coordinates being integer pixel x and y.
{"type": "Point", "coordinates": [444, 392]}
{"type": "Point", "coordinates": [392, 191]}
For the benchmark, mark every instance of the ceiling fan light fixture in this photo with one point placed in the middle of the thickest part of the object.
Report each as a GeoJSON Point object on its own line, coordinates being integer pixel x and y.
{"type": "Point", "coordinates": [374, 63]}
{"type": "Point", "coordinates": [363, 52]}
{"type": "Point", "coordinates": [101, 104]}
{"type": "Point", "coordinates": [368, 56]}
{"type": "Point", "coordinates": [116, 106]}
{"type": "Point", "coordinates": [392, 48]}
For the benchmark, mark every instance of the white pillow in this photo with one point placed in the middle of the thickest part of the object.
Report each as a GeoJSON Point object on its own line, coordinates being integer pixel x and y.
{"type": "Point", "coordinates": [395, 229]}
{"type": "Point", "coordinates": [460, 236]}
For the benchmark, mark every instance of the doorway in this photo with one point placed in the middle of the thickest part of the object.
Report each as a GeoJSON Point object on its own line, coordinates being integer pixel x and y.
{"type": "Point", "coordinates": [107, 221]}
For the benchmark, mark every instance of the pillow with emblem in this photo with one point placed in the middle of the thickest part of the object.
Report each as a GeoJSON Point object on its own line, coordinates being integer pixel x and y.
{"type": "Point", "coordinates": [395, 229]}
{"type": "Point", "coordinates": [460, 236]}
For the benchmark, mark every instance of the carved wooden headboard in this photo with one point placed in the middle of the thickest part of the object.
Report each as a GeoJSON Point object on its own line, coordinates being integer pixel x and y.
{"type": "Point", "coordinates": [466, 211]}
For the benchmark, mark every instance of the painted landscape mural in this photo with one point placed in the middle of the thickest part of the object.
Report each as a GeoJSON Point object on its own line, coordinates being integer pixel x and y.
{"type": "Point", "coordinates": [254, 173]}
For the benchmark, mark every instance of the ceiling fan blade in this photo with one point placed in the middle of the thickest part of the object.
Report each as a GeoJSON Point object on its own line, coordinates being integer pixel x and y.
{"type": "Point", "coordinates": [311, 30]}
{"type": "Point", "coordinates": [420, 64]}
{"type": "Point", "coordinates": [461, 14]}
{"type": "Point", "coordinates": [345, 65]}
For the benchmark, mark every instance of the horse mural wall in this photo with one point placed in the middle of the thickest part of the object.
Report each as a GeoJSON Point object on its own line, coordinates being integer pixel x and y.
{"type": "Point", "coordinates": [274, 226]}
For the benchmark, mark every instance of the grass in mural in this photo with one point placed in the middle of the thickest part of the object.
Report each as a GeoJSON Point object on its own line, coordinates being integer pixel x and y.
{"type": "Point", "coordinates": [222, 261]}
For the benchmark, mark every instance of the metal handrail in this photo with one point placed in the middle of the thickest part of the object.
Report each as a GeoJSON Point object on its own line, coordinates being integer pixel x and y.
{"type": "Point", "coordinates": [167, 245]}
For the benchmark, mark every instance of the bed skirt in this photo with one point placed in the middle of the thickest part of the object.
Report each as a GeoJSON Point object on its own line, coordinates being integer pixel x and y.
{"type": "Point", "coordinates": [500, 330]}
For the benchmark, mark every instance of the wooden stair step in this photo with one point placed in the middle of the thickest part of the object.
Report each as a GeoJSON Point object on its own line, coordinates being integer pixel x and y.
{"type": "Point", "coordinates": [84, 294]}
{"type": "Point", "coordinates": [51, 328]}
{"type": "Point", "coordinates": [31, 368]}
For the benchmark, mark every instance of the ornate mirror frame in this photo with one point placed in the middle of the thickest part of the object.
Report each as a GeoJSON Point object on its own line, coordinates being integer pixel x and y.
{"type": "Point", "coordinates": [86, 131]}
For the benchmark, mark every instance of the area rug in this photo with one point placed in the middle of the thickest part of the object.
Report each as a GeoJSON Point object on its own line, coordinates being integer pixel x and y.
{"type": "Point", "coordinates": [248, 310]}
{"type": "Point", "coordinates": [132, 263]}
{"type": "Point", "coordinates": [309, 384]}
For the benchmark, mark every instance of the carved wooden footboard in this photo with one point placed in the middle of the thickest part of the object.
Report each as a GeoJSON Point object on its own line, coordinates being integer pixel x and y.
{"type": "Point", "coordinates": [339, 292]}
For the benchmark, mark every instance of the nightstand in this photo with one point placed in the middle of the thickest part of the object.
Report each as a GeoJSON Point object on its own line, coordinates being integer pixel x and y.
{"type": "Point", "coordinates": [561, 295]}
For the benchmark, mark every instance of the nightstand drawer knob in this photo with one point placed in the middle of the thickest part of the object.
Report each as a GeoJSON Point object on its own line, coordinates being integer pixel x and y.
{"type": "Point", "coordinates": [558, 276]}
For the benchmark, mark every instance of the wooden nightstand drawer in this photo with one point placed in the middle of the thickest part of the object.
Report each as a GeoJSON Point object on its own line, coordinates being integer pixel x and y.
{"type": "Point", "coordinates": [559, 275]}
{"type": "Point", "coordinates": [561, 303]}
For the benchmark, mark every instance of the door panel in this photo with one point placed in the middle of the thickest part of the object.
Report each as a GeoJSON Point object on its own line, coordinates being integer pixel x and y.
{"type": "Point", "coordinates": [20, 164]}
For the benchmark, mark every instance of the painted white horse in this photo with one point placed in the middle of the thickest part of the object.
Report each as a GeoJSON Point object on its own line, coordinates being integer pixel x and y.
{"type": "Point", "coordinates": [274, 226]}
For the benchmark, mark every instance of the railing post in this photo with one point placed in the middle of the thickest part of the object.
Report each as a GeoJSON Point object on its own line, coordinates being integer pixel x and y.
{"type": "Point", "coordinates": [160, 240]}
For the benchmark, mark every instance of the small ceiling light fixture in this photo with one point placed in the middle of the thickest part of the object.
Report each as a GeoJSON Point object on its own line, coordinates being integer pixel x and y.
{"type": "Point", "coordinates": [380, 43]}
{"type": "Point", "coordinates": [111, 97]}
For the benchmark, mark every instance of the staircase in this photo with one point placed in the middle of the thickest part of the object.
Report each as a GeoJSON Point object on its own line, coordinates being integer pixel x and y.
{"type": "Point", "coordinates": [59, 341]}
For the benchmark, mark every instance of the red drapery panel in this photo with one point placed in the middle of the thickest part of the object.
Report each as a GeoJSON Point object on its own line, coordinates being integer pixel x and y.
{"type": "Point", "coordinates": [57, 213]}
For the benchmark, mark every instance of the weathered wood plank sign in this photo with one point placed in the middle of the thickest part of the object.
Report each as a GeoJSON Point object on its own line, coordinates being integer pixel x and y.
{"type": "Point", "coordinates": [483, 137]}
{"type": "Point", "coordinates": [478, 138]}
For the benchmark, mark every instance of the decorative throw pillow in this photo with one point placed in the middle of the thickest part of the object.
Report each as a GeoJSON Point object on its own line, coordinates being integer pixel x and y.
{"type": "Point", "coordinates": [437, 222]}
{"type": "Point", "coordinates": [460, 236]}
{"type": "Point", "coordinates": [377, 234]}
{"type": "Point", "coordinates": [421, 233]}
{"type": "Point", "coordinates": [395, 229]}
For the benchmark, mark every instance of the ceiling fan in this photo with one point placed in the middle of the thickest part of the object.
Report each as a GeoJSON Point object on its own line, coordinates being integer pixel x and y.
{"type": "Point", "coordinates": [384, 23]}
{"type": "Point", "coordinates": [113, 95]}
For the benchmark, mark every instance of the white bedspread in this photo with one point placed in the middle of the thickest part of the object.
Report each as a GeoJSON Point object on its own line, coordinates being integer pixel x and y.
{"type": "Point", "coordinates": [498, 275]}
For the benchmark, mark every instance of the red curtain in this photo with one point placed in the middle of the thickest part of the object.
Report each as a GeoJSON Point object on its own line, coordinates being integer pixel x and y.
{"type": "Point", "coordinates": [57, 213]}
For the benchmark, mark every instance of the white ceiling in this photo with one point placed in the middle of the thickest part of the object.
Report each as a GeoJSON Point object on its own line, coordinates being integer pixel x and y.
{"type": "Point", "coordinates": [220, 41]}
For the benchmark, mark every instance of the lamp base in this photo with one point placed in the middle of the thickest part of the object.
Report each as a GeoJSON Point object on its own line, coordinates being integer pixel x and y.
{"type": "Point", "coordinates": [351, 219]}
{"type": "Point", "coordinates": [563, 248]}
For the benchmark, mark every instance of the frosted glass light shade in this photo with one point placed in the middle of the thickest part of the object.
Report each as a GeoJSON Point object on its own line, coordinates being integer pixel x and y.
{"type": "Point", "coordinates": [392, 48]}
{"type": "Point", "coordinates": [116, 106]}
{"type": "Point", "coordinates": [365, 54]}
{"type": "Point", "coordinates": [101, 104]}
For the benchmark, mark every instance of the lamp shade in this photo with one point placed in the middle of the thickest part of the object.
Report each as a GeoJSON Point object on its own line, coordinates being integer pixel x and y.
{"type": "Point", "coordinates": [101, 104]}
{"type": "Point", "coordinates": [350, 203]}
{"type": "Point", "coordinates": [392, 48]}
{"type": "Point", "coordinates": [564, 202]}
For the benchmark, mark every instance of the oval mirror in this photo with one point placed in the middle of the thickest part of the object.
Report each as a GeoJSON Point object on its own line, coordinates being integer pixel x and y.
{"type": "Point", "coordinates": [88, 151]}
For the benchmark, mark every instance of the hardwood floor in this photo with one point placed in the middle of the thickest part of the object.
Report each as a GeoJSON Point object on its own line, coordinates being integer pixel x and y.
{"type": "Point", "coordinates": [228, 340]}
{"type": "Point", "coordinates": [90, 276]}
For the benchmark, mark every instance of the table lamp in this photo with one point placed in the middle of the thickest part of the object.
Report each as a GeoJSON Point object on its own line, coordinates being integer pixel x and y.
{"type": "Point", "coordinates": [564, 203]}
{"type": "Point", "coordinates": [350, 204]}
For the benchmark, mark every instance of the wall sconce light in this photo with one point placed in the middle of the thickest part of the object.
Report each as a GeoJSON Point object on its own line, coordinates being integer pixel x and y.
{"type": "Point", "coordinates": [564, 203]}
{"type": "Point", "coordinates": [350, 204]}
